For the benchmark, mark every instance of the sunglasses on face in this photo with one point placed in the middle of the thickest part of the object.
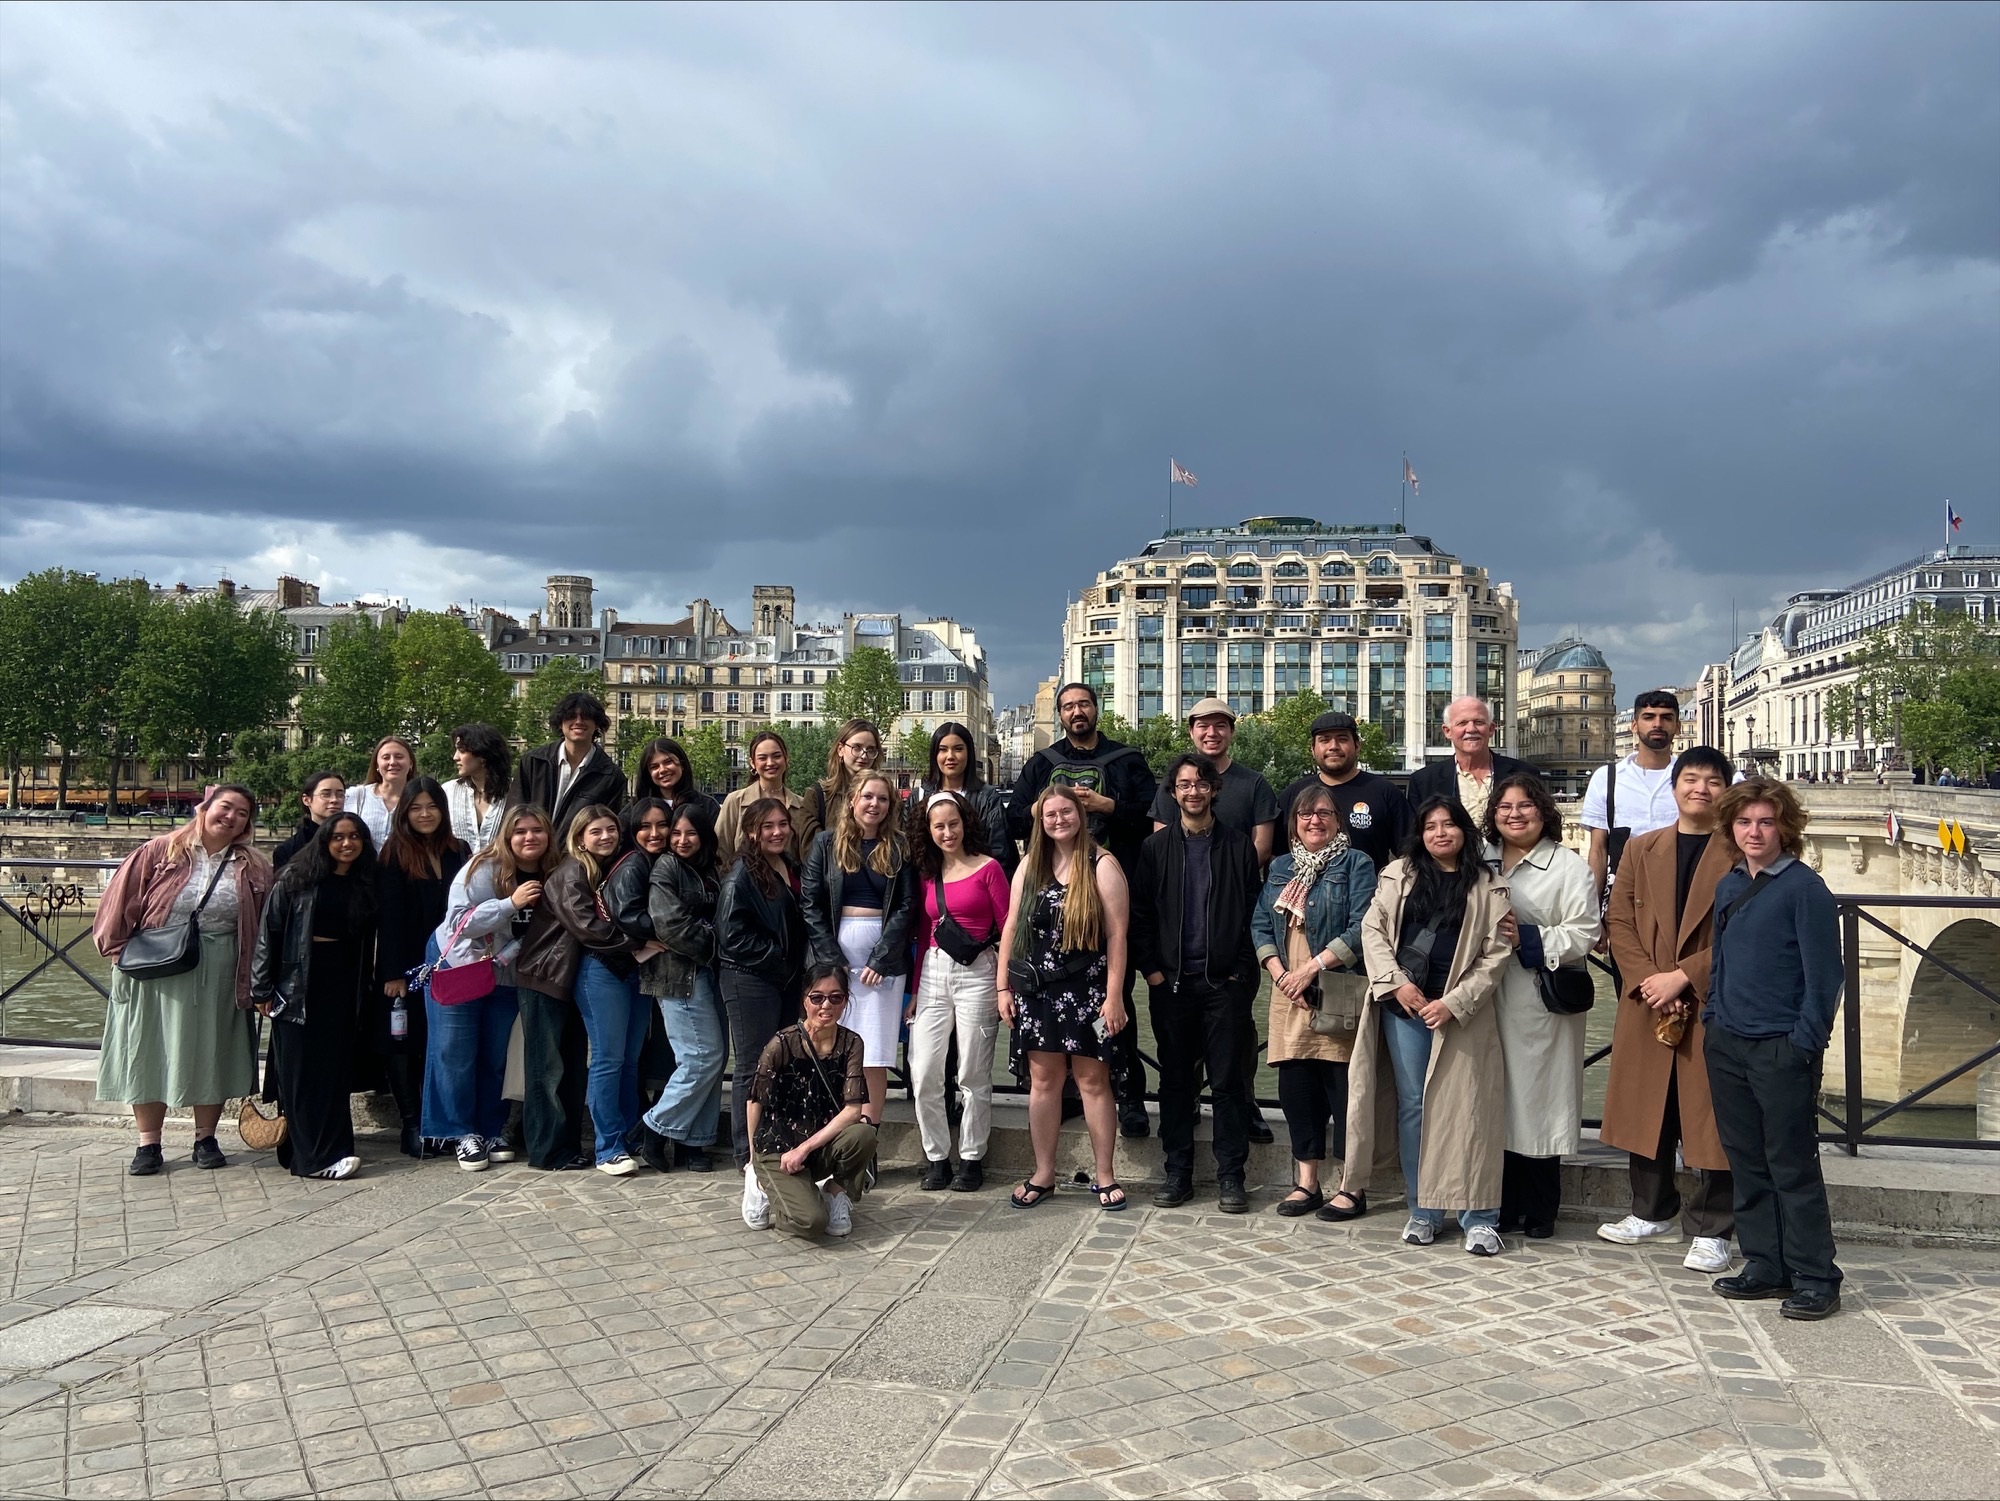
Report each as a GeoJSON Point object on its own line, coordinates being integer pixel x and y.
{"type": "Point", "coordinates": [833, 998]}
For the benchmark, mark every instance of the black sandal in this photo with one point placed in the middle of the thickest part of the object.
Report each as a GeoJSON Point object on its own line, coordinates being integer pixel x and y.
{"type": "Point", "coordinates": [1104, 1191]}
{"type": "Point", "coordinates": [1356, 1206]}
{"type": "Point", "coordinates": [1036, 1192]}
{"type": "Point", "coordinates": [1294, 1208]}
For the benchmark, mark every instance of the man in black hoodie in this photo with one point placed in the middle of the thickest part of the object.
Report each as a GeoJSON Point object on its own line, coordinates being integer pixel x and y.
{"type": "Point", "coordinates": [322, 794]}
{"type": "Point", "coordinates": [1116, 788]}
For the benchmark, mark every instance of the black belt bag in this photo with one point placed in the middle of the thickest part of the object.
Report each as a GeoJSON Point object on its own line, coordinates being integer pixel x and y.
{"type": "Point", "coordinates": [953, 939]}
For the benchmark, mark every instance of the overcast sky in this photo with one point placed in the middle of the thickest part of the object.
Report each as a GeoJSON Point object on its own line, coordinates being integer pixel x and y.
{"type": "Point", "coordinates": [909, 307]}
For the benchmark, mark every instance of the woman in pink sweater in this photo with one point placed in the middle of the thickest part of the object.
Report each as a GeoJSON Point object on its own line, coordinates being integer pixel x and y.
{"type": "Point", "coordinates": [963, 898]}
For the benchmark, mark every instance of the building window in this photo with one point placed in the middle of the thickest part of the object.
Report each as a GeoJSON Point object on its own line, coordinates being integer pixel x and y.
{"type": "Point", "coordinates": [907, 706]}
{"type": "Point", "coordinates": [784, 703]}
{"type": "Point", "coordinates": [785, 675]}
{"type": "Point", "coordinates": [1388, 691]}
{"type": "Point", "coordinates": [1489, 681]}
{"type": "Point", "coordinates": [805, 703]}
{"type": "Point", "coordinates": [930, 702]}
{"type": "Point", "coordinates": [1337, 622]}
{"type": "Point", "coordinates": [1100, 669]}
{"type": "Point", "coordinates": [1486, 622]}
{"type": "Point", "coordinates": [1199, 597]}
{"type": "Point", "coordinates": [624, 703]}
{"type": "Point", "coordinates": [1104, 625]}
{"type": "Point", "coordinates": [1386, 622]}
{"type": "Point", "coordinates": [1336, 594]}
{"type": "Point", "coordinates": [1437, 672]}
{"type": "Point", "coordinates": [1111, 597]}
{"type": "Point", "coordinates": [708, 703]}
{"type": "Point", "coordinates": [732, 703]}
{"type": "Point", "coordinates": [1340, 675]}
{"type": "Point", "coordinates": [1245, 571]}
{"type": "Point", "coordinates": [732, 729]}
{"type": "Point", "coordinates": [1242, 594]}
{"type": "Point", "coordinates": [1197, 673]}
{"type": "Point", "coordinates": [1151, 661]}
{"type": "Point", "coordinates": [1289, 570]}
{"type": "Point", "coordinates": [806, 676]}
{"type": "Point", "coordinates": [1150, 592]}
{"type": "Point", "coordinates": [1289, 594]}
{"type": "Point", "coordinates": [759, 703]}
{"type": "Point", "coordinates": [1336, 568]}
{"type": "Point", "coordinates": [1381, 566]}
{"type": "Point", "coordinates": [659, 703]}
{"type": "Point", "coordinates": [1246, 677]}
{"type": "Point", "coordinates": [951, 703]}
{"type": "Point", "coordinates": [1291, 668]}
{"type": "Point", "coordinates": [1198, 571]}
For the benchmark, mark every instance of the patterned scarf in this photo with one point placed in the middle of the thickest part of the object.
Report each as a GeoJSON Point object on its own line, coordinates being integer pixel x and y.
{"type": "Point", "coordinates": [1307, 867]}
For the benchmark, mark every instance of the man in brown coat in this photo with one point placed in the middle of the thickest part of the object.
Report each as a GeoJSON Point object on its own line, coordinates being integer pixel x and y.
{"type": "Point", "coordinates": [1660, 924]}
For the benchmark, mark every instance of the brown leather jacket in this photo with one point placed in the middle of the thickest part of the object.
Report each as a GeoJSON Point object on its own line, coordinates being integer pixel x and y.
{"type": "Point", "coordinates": [567, 924]}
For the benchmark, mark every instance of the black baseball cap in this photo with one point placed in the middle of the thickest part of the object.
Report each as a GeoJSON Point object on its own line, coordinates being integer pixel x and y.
{"type": "Point", "coordinates": [1334, 723]}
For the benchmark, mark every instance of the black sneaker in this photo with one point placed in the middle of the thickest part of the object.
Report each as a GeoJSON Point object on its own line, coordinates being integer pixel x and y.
{"type": "Point", "coordinates": [472, 1154]}
{"type": "Point", "coordinates": [970, 1177]}
{"type": "Point", "coordinates": [208, 1154]}
{"type": "Point", "coordinates": [937, 1176]}
{"type": "Point", "coordinates": [147, 1161]}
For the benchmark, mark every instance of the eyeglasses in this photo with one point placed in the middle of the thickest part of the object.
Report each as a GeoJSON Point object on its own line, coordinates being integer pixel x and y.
{"type": "Point", "coordinates": [1188, 786]}
{"type": "Point", "coordinates": [1317, 815]}
{"type": "Point", "coordinates": [826, 998]}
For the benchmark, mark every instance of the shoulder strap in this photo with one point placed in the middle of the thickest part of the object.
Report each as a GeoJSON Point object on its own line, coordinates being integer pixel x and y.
{"type": "Point", "coordinates": [1611, 795]}
{"type": "Point", "coordinates": [1757, 884]}
{"type": "Point", "coordinates": [221, 865]}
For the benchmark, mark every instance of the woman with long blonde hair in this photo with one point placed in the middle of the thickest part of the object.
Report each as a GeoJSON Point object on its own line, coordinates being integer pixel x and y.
{"type": "Point", "coordinates": [1065, 935]}
{"type": "Point", "coordinates": [856, 896]}
{"type": "Point", "coordinates": [185, 1038]}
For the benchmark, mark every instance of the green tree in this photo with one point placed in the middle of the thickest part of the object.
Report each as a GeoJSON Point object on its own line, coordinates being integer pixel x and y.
{"type": "Point", "coordinates": [707, 754]}
{"type": "Point", "coordinates": [913, 749]}
{"type": "Point", "coordinates": [205, 672]}
{"type": "Point", "coordinates": [629, 738]}
{"type": "Point", "coordinates": [66, 642]}
{"type": "Point", "coordinates": [352, 699]}
{"type": "Point", "coordinates": [867, 687]}
{"type": "Point", "coordinates": [445, 678]}
{"type": "Point", "coordinates": [1377, 754]}
{"type": "Point", "coordinates": [554, 681]}
{"type": "Point", "coordinates": [806, 747]}
{"type": "Point", "coordinates": [1944, 671]}
{"type": "Point", "coordinates": [1289, 721]}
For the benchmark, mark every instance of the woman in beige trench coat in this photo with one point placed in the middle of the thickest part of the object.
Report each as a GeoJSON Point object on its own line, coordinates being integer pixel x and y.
{"type": "Point", "coordinates": [1451, 1130]}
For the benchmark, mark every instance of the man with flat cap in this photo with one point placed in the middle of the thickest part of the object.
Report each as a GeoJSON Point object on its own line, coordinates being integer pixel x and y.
{"type": "Point", "coordinates": [1374, 809]}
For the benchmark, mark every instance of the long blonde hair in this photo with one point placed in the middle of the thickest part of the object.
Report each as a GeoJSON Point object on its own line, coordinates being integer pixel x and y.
{"type": "Point", "coordinates": [181, 842]}
{"type": "Point", "coordinates": [594, 869]}
{"type": "Point", "coordinates": [1083, 909]}
{"type": "Point", "coordinates": [500, 853]}
{"type": "Point", "coordinates": [838, 781]}
{"type": "Point", "coordinates": [891, 848]}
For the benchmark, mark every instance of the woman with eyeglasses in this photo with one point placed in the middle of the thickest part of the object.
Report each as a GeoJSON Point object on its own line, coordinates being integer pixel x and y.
{"type": "Point", "coordinates": [314, 948]}
{"type": "Point", "coordinates": [857, 747]}
{"type": "Point", "coordinates": [811, 1142]}
{"type": "Point", "coordinates": [1307, 927]}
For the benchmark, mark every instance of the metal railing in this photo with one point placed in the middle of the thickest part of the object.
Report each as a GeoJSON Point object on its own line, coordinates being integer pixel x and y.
{"type": "Point", "coordinates": [29, 908]}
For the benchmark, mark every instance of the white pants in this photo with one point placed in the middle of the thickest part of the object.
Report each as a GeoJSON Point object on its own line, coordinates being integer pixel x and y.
{"type": "Point", "coordinates": [874, 1011]}
{"type": "Point", "coordinates": [962, 997]}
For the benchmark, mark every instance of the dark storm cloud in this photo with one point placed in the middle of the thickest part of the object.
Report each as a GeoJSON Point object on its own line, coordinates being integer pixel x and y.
{"type": "Point", "coordinates": [909, 307]}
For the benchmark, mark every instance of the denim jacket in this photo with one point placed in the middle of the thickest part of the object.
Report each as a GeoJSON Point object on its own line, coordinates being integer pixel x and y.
{"type": "Point", "coordinates": [1334, 908]}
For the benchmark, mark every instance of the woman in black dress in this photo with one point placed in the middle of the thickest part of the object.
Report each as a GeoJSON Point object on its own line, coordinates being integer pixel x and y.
{"type": "Point", "coordinates": [314, 948]}
{"type": "Point", "coordinates": [413, 883]}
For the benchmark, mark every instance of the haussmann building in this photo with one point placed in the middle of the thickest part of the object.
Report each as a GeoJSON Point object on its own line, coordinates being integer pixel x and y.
{"type": "Point", "coordinates": [1383, 624]}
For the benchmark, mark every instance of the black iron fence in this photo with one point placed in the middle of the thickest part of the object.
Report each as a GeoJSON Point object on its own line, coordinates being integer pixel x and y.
{"type": "Point", "coordinates": [38, 907]}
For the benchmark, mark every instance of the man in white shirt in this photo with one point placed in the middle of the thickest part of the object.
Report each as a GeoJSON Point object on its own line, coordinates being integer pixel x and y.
{"type": "Point", "coordinates": [1642, 799]}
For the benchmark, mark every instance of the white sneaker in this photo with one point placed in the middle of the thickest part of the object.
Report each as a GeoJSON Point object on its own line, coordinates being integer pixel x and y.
{"type": "Point", "coordinates": [1633, 1231]}
{"type": "Point", "coordinates": [1483, 1240]}
{"type": "Point", "coordinates": [621, 1166]}
{"type": "Point", "coordinates": [1419, 1232]}
{"type": "Point", "coordinates": [347, 1167]}
{"type": "Point", "coordinates": [839, 1213]}
{"type": "Point", "coordinates": [756, 1203]}
{"type": "Point", "coordinates": [472, 1154]}
{"type": "Point", "coordinates": [1707, 1254]}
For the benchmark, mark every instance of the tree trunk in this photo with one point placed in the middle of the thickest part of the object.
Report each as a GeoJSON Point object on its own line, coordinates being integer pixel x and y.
{"type": "Point", "coordinates": [111, 784]}
{"type": "Point", "coordinates": [62, 781]}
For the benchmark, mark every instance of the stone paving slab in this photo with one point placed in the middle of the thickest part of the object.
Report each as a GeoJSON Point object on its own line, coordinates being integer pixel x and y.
{"type": "Point", "coordinates": [425, 1332]}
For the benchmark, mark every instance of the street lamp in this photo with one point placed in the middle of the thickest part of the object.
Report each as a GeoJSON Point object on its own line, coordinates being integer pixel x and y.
{"type": "Point", "coordinates": [1895, 760]}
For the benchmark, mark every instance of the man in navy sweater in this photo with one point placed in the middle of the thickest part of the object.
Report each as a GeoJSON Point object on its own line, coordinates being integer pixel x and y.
{"type": "Point", "coordinates": [1774, 982]}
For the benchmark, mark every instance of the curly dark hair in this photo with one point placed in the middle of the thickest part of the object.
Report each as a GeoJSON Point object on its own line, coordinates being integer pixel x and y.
{"type": "Point", "coordinates": [1536, 791]}
{"type": "Point", "coordinates": [496, 762]}
{"type": "Point", "coordinates": [928, 857]}
{"type": "Point", "coordinates": [574, 705]}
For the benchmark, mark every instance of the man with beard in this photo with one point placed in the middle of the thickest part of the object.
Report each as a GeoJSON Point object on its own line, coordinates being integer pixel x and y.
{"type": "Point", "coordinates": [1373, 808]}
{"type": "Point", "coordinates": [1636, 795]}
{"type": "Point", "coordinates": [1116, 788]}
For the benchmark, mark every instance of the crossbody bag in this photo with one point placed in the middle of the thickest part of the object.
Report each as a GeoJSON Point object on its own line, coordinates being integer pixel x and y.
{"type": "Point", "coordinates": [948, 935]}
{"type": "Point", "coordinates": [161, 953]}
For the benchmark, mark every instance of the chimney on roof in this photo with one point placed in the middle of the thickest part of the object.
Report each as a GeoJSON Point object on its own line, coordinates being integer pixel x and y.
{"type": "Point", "coordinates": [226, 587]}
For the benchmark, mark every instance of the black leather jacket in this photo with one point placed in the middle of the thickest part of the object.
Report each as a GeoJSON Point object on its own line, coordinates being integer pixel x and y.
{"type": "Point", "coordinates": [819, 894]}
{"type": "Point", "coordinates": [281, 969]}
{"type": "Point", "coordinates": [761, 934]}
{"type": "Point", "coordinates": [681, 908]}
{"type": "Point", "coordinates": [624, 895]}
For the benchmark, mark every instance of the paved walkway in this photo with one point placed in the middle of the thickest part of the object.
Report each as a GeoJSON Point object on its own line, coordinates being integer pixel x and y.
{"type": "Point", "coordinates": [425, 1332]}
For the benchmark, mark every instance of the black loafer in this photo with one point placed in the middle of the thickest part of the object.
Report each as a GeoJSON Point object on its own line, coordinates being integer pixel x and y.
{"type": "Point", "coordinates": [1745, 1288]}
{"type": "Point", "coordinates": [1173, 1193]}
{"type": "Point", "coordinates": [1293, 1209]}
{"type": "Point", "coordinates": [208, 1154]}
{"type": "Point", "coordinates": [1231, 1198]}
{"type": "Point", "coordinates": [1808, 1304]}
{"type": "Point", "coordinates": [147, 1161]}
{"type": "Point", "coordinates": [1339, 1212]}
{"type": "Point", "coordinates": [937, 1176]}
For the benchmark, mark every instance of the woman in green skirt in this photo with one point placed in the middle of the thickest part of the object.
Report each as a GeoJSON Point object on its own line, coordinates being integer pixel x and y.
{"type": "Point", "coordinates": [187, 1039]}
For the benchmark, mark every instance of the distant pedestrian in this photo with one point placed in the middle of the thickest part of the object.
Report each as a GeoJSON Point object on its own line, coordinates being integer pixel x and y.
{"type": "Point", "coordinates": [856, 748]}
{"type": "Point", "coordinates": [681, 900]}
{"type": "Point", "coordinates": [1635, 795]}
{"type": "Point", "coordinates": [1065, 937]}
{"type": "Point", "coordinates": [1661, 923]}
{"type": "Point", "coordinates": [477, 796]}
{"type": "Point", "coordinates": [1474, 769]}
{"type": "Point", "coordinates": [390, 766]}
{"type": "Point", "coordinates": [312, 970]}
{"type": "Point", "coordinates": [1307, 929]}
{"type": "Point", "coordinates": [807, 1114]}
{"type": "Point", "coordinates": [1192, 899]}
{"type": "Point", "coordinates": [1551, 930]}
{"type": "Point", "coordinates": [770, 761]}
{"type": "Point", "coordinates": [954, 767]}
{"type": "Point", "coordinates": [323, 795]}
{"type": "Point", "coordinates": [856, 896]}
{"type": "Point", "coordinates": [1373, 810]}
{"type": "Point", "coordinates": [665, 772]}
{"type": "Point", "coordinates": [493, 902]}
{"type": "Point", "coordinates": [413, 876]}
{"type": "Point", "coordinates": [183, 1036]}
{"type": "Point", "coordinates": [964, 898]}
{"type": "Point", "coordinates": [1774, 982]}
{"type": "Point", "coordinates": [572, 772]}
{"type": "Point", "coordinates": [1429, 1039]}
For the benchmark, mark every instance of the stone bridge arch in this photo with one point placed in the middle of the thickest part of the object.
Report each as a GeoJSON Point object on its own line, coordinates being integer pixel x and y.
{"type": "Point", "coordinates": [1946, 1021]}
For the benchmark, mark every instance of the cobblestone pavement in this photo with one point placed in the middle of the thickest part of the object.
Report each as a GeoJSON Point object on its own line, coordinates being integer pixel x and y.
{"type": "Point", "coordinates": [426, 1332]}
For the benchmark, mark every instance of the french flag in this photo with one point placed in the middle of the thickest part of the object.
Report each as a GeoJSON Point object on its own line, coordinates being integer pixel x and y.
{"type": "Point", "coordinates": [1952, 518]}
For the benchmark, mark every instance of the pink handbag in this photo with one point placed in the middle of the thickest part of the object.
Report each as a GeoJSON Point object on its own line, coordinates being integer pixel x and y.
{"type": "Point", "coordinates": [456, 984]}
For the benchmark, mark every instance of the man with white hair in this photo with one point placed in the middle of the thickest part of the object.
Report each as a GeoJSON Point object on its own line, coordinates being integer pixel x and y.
{"type": "Point", "coordinates": [1468, 777]}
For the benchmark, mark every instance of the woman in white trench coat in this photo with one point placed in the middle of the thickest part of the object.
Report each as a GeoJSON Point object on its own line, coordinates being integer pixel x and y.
{"type": "Point", "coordinates": [1555, 922]}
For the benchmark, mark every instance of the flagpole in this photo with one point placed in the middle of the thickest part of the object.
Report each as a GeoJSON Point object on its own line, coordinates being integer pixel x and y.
{"type": "Point", "coordinates": [1170, 494]}
{"type": "Point", "coordinates": [1403, 504]}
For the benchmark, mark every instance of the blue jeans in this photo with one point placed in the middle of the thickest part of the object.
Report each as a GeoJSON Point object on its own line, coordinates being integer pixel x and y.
{"type": "Point", "coordinates": [615, 1016]}
{"type": "Point", "coordinates": [465, 1064]}
{"type": "Point", "coordinates": [1409, 1043]}
{"type": "Point", "coordinates": [691, 1104]}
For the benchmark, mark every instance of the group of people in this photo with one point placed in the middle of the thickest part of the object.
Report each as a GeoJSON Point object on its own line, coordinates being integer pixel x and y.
{"type": "Point", "coordinates": [526, 949]}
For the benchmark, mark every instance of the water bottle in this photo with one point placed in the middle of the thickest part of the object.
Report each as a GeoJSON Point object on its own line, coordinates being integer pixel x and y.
{"type": "Point", "coordinates": [399, 1019]}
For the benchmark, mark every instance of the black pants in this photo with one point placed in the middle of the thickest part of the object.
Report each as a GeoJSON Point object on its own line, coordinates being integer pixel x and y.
{"type": "Point", "coordinates": [555, 1063]}
{"type": "Point", "coordinates": [314, 1064]}
{"type": "Point", "coordinates": [1196, 1024]}
{"type": "Point", "coordinates": [1251, 1051]}
{"type": "Point", "coordinates": [1657, 1196]}
{"type": "Point", "coordinates": [757, 1011]}
{"type": "Point", "coordinates": [1766, 1092]}
{"type": "Point", "coordinates": [1530, 1191]}
{"type": "Point", "coordinates": [1313, 1093]}
{"type": "Point", "coordinates": [1133, 1100]}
